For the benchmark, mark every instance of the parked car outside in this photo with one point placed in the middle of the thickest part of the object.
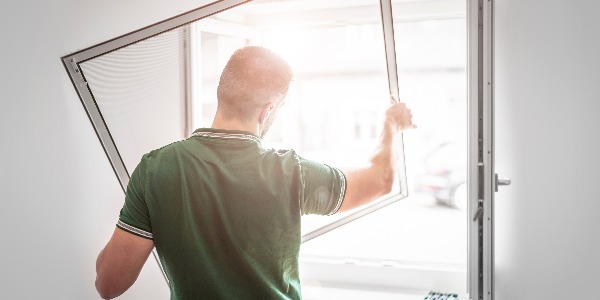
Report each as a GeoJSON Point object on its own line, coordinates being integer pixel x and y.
{"type": "Point", "coordinates": [445, 175]}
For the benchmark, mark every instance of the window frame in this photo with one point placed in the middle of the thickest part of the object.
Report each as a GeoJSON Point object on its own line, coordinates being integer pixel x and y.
{"type": "Point", "coordinates": [72, 64]}
{"type": "Point", "coordinates": [480, 174]}
{"type": "Point", "coordinates": [387, 22]}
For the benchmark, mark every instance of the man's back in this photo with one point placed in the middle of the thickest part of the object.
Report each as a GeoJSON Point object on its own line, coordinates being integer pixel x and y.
{"type": "Point", "coordinates": [224, 213]}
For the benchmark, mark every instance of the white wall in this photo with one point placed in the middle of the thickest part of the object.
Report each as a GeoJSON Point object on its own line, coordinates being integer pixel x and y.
{"type": "Point", "coordinates": [59, 197]}
{"type": "Point", "coordinates": [548, 101]}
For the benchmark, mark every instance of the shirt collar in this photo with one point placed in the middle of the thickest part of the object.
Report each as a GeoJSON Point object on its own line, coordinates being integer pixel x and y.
{"type": "Point", "coordinates": [226, 134]}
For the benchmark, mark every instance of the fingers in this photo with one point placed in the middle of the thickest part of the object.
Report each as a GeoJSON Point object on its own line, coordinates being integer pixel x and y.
{"type": "Point", "coordinates": [401, 116]}
{"type": "Point", "coordinates": [407, 120]}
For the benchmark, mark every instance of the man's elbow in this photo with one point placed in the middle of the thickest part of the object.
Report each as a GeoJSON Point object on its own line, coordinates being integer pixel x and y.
{"type": "Point", "coordinates": [386, 182]}
{"type": "Point", "coordinates": [106, 290]}
{"type": "Point", "coordinates": [383, 176]}
{"type": "Point", "coordinates": [103, 290]}
{"type": "Point", "coordinates": [387, 186]}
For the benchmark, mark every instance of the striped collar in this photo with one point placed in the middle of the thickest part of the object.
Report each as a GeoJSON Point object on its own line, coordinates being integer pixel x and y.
{"type": "Point", "coordinates": [226, 134]}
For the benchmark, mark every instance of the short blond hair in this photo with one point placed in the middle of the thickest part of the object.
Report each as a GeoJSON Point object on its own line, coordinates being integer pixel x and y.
{"type": "Point", "coordinates": [253, 77]}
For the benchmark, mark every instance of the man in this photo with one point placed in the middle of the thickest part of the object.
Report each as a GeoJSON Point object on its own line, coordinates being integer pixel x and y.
{"type": "Point", "coordinates": [223, 212]}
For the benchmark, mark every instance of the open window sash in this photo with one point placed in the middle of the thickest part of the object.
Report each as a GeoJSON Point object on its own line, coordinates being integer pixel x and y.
{"type": "Point", "coordinates": [118, 78]}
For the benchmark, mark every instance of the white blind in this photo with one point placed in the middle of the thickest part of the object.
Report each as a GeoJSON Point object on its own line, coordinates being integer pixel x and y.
{"type": "Point", "coordinates": [140, 91]}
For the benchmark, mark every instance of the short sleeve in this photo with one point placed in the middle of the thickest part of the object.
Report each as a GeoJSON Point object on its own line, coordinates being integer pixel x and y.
{"type": "Point", "coordinates": [323, 188]}
{"type": "Point", "coordinates": [134, 217]}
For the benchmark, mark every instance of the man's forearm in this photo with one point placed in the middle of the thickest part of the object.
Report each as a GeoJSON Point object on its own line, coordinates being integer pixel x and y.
{"type": "Point", "coordinates": [384, 161]}
{"type": "Point", "coordinates": [377, 179]}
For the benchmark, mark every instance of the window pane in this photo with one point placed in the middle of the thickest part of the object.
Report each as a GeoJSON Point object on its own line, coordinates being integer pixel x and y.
{"type": "Point", "coordinates": [334, 110]}
{"type": "Point", "coordinates": [429, 228]}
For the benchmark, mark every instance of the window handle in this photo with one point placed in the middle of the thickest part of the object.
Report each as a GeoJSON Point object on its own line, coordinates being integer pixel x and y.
{"type": "Point", "coordinates": [502, 181]}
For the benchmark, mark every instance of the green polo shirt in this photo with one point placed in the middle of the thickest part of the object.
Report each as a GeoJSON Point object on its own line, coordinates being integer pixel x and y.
{"type": "Point", "coordinates": [224, 213]}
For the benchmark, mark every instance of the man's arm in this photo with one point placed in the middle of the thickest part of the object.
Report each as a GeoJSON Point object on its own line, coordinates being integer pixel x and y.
{"type": "Point", "coordinates": [120, 262]}
{"type": "Point", "coordinates": [366, 184]}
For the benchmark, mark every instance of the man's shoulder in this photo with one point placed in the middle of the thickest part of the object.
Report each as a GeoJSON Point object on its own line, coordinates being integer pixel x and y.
{"type": "Point", "coordinates": [285, 154]}
{"type": "Point", "coordinates": [168, 148]}
{"type": "Point", "coordinates": [283, 158]}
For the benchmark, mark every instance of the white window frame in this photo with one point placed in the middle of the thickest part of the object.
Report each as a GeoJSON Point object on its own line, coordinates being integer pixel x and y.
{"type": "Point", "coordinates": [481, 180]}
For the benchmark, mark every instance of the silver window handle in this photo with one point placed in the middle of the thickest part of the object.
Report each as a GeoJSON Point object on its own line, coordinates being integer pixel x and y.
{"type": "Point", "coordinates": [502, 181]}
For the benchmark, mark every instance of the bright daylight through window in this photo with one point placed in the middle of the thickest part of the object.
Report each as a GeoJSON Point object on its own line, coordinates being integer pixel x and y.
{"type": "Point", "coordinates": [332, 113]}
{"type": "Point", "coordinates": [334, 108]}
{"type": "Point", "coordinates": [340, 91]}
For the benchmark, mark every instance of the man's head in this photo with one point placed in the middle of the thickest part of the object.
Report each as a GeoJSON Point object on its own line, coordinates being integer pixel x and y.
{"type": "Point", "coordinates": [253, 85]}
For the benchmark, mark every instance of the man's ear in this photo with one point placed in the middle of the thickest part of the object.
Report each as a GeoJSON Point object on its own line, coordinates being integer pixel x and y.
{"type": "Point", "coordinates": [265, 112]}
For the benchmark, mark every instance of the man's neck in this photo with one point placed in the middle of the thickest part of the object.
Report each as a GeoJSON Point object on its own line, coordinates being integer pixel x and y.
{"type": "Point", "coordinates": [229, 124]}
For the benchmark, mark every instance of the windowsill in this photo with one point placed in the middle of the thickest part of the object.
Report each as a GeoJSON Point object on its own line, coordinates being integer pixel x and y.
{"type": "Point", "coordinates": [380, 276]}
{"type": "Point", "coordinates": [326, 292]}
{"type": "Point", "coordinates": [322, 293]}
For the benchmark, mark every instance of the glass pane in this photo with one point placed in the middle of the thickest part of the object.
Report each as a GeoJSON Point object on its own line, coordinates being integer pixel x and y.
{"type": "Point", "coordinates": [334, 110]}
{"type": "Point", "coordinates": [137, 85]}
{"type": "Point", "coordinates": [429, 228]}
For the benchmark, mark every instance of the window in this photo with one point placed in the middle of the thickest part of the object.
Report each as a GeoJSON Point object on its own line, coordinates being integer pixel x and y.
{"type": "Point", "coordinates": [154, 86]}
{"type": "Point", "coordinates": [340, 91]}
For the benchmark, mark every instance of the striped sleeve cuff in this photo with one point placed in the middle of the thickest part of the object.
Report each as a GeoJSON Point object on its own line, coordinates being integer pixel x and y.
{"type": "Point", "coordinates": [342, 191]}
{"type": "Point", "coordinates": [135, 230]}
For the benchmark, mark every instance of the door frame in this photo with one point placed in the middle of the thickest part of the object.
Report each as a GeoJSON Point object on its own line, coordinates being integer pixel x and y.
{"type": "Point", "coordinates": [480, 175]}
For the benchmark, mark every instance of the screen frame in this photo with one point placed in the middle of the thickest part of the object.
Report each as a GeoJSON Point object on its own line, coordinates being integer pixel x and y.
{"type": "Point", "coordinates": [72, 65]}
